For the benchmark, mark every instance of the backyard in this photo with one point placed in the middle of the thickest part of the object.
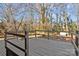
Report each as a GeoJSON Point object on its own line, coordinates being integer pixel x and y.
{"type": "Point", "coordinates": [39, 29]}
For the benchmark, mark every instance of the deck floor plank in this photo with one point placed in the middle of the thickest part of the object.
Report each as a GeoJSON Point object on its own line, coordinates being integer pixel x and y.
{"type": "Point", "coordinates": [42, 47]}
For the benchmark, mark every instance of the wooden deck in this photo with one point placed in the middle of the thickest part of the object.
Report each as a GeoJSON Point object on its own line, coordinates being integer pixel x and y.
{"type": "Point", "coordinates": [42, 47]}
{"type": "Point", "coordinates": [46, 47]}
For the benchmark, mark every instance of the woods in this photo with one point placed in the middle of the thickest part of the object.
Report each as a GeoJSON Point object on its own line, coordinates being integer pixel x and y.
{"type": "Point", "coordinates": [38, 16]}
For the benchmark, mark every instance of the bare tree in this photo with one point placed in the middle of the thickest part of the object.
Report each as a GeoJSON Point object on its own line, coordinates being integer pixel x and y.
{"type": "Point", "coordinates": [10, 14]}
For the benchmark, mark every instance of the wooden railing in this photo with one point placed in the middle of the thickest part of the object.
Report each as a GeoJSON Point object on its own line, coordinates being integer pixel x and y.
{"type": "Point", "coordinates": [25, 36]}
{"type": "Point", "coordinates": [42, 33]}
{"type": "Point", "coordinates": [75, 47]}
{"type": "Point", "coordinates": [26, 44]}
{"type": "Point", "coordinates": [75, 43]}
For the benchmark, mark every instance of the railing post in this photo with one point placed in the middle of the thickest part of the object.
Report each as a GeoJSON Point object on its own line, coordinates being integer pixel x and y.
{"type": "Point", "coordinates": [76, 42]}
{"type": "Point", "coordinates": [5, 37]}
{"type": "Point", "coordinates": [26, 44]}
{"type": "Point", "coordinates": [76, 52]}
{"type": "Point", "coordinates": [48, 34]}
{"type": "Point", "coordinates": [35, 33]}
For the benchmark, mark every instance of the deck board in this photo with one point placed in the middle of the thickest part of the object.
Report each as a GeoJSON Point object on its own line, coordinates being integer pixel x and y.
{"type": "Point", "coordinates": [42, 47]}
{"type": "Point", "coordinates": [51, 47]}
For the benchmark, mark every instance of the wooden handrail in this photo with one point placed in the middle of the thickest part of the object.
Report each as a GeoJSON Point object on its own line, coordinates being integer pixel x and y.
{"type": "Point", "coordinates": [15, 46]}
{"type": "Point", "coordinates": [9, 33]}
{"type": "Point", "coordinates": [75, 47]}
{"type": "Point", "coordinates": [25, 36]}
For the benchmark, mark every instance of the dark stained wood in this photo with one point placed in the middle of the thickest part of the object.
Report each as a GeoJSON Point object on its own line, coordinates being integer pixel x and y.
{"type": "Point", "coordinates": [75, 47]}
{"type": "Point", "coordinates": [26, 50]}
{"type": "Point", "coordinates": [9, 52]}
{"type": "Point", "coordinates": [15, 46]}
{"type": "Point", "coordinates": [9, 33]}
